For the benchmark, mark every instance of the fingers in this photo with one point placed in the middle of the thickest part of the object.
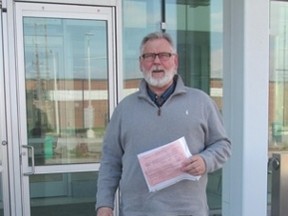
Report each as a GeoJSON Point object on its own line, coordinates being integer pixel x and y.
{"type": "Point", "coordinates": [105, 211]}
{"type": "Point", "coordinates": [194, 165]}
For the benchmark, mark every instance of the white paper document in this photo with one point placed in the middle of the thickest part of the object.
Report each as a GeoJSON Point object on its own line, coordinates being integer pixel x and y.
{"type": "Point", "coordinates": [162, 166]}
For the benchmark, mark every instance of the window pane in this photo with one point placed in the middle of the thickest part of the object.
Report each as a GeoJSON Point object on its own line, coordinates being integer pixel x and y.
{"type": "Point", "coordinates": [140, 18]}
{"type": "Point", "coordinates": [278, 102]}
{"type": "Point", "coordinates": [70, 194]}
{"type": "Point", "coordinates": [278, 91]}
{"type": "Point", "coordinates": [199, 44]}
{"type": "Point", "coordinates": [66, 69]}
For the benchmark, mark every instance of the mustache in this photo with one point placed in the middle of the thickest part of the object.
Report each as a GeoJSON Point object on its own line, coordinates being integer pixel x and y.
{"type": "Point", "coordinates": [156, 69]}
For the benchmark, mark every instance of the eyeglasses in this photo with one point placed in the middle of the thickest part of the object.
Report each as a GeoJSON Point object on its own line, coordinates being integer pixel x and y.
{"type": "Point", "coordinates": [163, 56]}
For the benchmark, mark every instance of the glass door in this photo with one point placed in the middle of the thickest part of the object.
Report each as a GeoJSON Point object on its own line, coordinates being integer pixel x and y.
{"type": "Point", "coordinates": [66, 70]}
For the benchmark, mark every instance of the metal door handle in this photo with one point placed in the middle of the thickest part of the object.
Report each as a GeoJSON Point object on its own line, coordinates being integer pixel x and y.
{"type": "Point", "coordinates": [31, 148]}
{"type": "Point", "coordinates": [274, 163]}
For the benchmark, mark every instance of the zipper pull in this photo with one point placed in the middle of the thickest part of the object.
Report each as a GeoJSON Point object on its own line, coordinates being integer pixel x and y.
{"type": "Point", "coordinates": [159, 111]}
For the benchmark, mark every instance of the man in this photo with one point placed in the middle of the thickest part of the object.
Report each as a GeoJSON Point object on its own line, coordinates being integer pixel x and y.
{"type": "Point", "coordinates": [162, 111]}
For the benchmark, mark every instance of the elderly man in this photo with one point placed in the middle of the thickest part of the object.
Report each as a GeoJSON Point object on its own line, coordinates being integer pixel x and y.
{"type": "Point", "coordinates": [162, 111]}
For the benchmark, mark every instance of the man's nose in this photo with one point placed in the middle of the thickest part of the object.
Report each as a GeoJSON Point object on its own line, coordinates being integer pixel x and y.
{"type": "Point", "coordinates": [157, 59]}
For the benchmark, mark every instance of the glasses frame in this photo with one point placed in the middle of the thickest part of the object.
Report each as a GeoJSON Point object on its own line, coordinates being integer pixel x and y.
{"type": "Point", "coordinates": [163, 56]}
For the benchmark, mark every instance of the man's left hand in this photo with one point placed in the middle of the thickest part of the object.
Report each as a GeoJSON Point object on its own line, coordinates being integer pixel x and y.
{"type": "Point", "coordinates": [194, 165]}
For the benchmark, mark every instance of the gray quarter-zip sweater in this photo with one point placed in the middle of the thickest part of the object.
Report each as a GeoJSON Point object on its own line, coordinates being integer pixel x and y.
{"type": "Point", "coordinates": [137, 125]}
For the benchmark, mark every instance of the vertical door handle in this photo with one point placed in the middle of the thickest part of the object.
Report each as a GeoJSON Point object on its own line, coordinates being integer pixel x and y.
{"type": "Point", "coordinates": [31, 149]}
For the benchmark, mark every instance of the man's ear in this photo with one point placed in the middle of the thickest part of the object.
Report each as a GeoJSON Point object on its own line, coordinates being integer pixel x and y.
{"type": "Point", "coordinates": [140, 64]}
{"type": "Point", "coordinates": [176, 61]}
{"type": "Point", "coordinates": [140, 68]}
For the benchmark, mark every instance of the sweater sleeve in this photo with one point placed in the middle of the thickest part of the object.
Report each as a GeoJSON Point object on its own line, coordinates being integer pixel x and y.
{"type": "Point", "coordinates": [110, 166]}
{"type": "Point", "coordinates": [217, 145]}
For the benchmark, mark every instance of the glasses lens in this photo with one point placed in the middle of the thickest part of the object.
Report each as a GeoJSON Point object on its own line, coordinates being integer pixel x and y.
{"type": "Point", "coordinates": [164, 56]}
{"type": "Point", "coordinates": [149, 56]}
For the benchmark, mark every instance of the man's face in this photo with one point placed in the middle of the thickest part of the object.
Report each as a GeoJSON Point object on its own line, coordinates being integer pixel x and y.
{"type": "Point", "coordinates": [158, 70]}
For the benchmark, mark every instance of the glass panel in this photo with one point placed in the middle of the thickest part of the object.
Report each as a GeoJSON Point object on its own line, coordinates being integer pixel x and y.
{"type": "Point", "coordinates": [278, 84]}
{"type": "Point", "coordinates": [278, 113]}
{"type": "Point", "coordinates": [66, 69]}
{"type": "Point", "coordinates": [70, 194]}
{"type": "Point", "coordinates": [199, 45]}
{"type": "Point", "coordinates": [148, 20]}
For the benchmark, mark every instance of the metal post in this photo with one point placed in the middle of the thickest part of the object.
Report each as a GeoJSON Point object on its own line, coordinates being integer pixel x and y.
{"type": "Point", "coordinates": [279, 206]}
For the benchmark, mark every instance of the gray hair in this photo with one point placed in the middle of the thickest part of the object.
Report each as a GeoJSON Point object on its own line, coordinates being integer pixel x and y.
{"type": "Point", "coordinates": [154, 36]}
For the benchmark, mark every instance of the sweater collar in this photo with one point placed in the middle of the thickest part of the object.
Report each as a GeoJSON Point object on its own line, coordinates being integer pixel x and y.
{"type": "Point", "coordinates": [160, 100]}
{"type": "Point", "coordinates": [179, 88]}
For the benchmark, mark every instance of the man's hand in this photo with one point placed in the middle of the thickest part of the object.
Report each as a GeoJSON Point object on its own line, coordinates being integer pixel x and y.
{"type": "Point", "coordinates": [104, 211]}
{"type": "Point", "coordinates": [194, 165]}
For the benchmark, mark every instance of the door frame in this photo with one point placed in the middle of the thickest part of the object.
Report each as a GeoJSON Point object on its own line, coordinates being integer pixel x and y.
{"type": "Point", "coordinates": [3, 132]}
{"type": "Point", "coordinates": [16, 127]}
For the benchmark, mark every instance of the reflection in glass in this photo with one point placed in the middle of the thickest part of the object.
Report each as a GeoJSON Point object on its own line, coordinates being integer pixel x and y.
{"type": "Point", "coordinates": [148, 20]}
{"type": "Point", "coordinates": [66, 71]}
{"type": "Point", "coordinates": [278, 85]}
{"type": "Point", "coordinates": [70, 194]}
{"type": "Point", "coordinates": [278, 102]}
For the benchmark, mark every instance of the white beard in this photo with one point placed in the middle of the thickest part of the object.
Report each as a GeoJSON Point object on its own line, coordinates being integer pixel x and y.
{"type": "Point", "coordinates": [158, 82]}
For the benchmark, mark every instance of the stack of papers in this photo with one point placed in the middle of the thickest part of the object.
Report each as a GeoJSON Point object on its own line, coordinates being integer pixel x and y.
{"type": "Point", "coordinates": [162, 166]}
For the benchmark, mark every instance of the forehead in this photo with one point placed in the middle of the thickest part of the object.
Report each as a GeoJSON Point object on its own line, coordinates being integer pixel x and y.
{"type": "Point", "coordinates": [157, 45]}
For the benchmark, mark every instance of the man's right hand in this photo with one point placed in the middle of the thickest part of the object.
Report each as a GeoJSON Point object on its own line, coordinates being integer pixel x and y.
{"type": "Point", "coordinates": [105, 211]}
